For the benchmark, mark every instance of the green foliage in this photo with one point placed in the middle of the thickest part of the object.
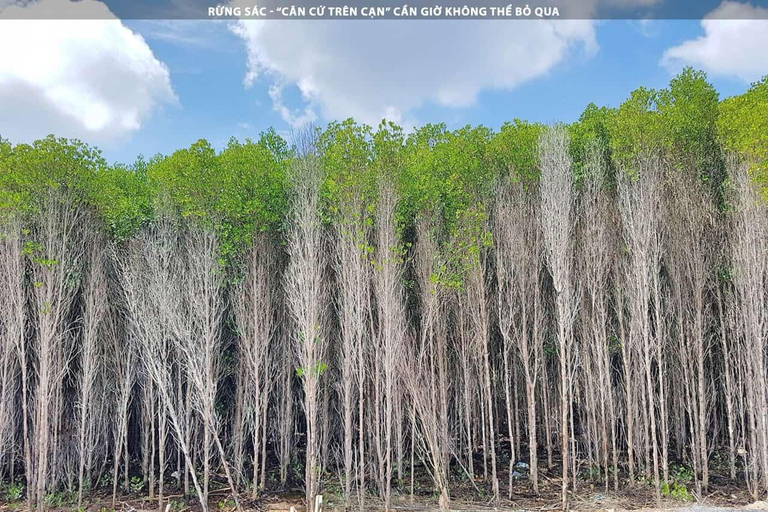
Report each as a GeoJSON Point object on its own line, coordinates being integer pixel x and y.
{"type": "Point", "coordinates": [688, 110]}
{"type": "Point", "coordinates": [676, 491]}
{"type": "Point", "coordinates": [225, 504]}
{"type": "Point", "coordinates": [677, 488]}
{"type": "Point", "coordinates": [123, 197]}
{"type": "Point", "coordinates": [57, 499]}
{"type": "Point", "coordinates": [106, 480]}
{"type": "Point", "coordinates": [444, 172]}
{"type": "Point", "coordinates": [238, 192]}
{"type": "Point", "coordinates": [614, 344]}
{"type": "Point", "coordinates": [137, 484]}
{"type": "Point", "coordinates": [514, 151]}
{"type": "Point", "coordinates": [448, 176]}
{"type": "Point", "coordinates": [27, 172]}
{"type": "Point", "coordinates": [389, 154]}
{"type": "Point", "coordinates": [346, 155]}
{"type": "Point", "coordinates": [190, 178]}
{"type": "Point", "coordinates": [256, 184]}
{"type": "Point", "coordinates": [677, 124]}
{"type": "Point", "coordinates": [317, 371]}
{"type": "Point", "coordinates": [681, 473]}
{"type": "Point", "coordinates": [635, 127]}
{"type": "Point", "coordinates": [742, 126]}
{"type": "Point", "coordinates": [177, 504]}
{"type": "Point", "coordinates": [591, 128]}
{"type": "Point", "coordinates": [464, 250]}
{"type": "Point", "coordinates": [419, 183]}
{"type": "Point", "coordinates": [387, 145]}
{"type": "Point", "coordinates": [13, 491]}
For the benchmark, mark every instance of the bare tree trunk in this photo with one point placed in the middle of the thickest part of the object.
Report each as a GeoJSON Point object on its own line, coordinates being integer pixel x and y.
{"type": "Point", "coordinates": [425, 370]}
{"type": "Point", "coordinates": [239, 422]}
{"type": "Point", "coordinates": [748, 253]}
{"type": "Point", "coordinates": [263, 478]}
{"type": "Point", "coordinates": [354, 281]}
{"type": "Point", "coordinates": [12, 309]}
{"type": "Point", "coordinates": [197, 336]}
{"type": "Point", "coordinates": [546, 409]}
{"type": "Point", "coordinates": [391, 328]}
{"type": "Point", "coordinates": [729, 392]}
{"type": "Point", "coordinates": [598, 236]}
{"type": "Point", "coordinates": [285, 407]}
{"type": "Point", "coordinates": [57, 253]}
{"type": "Point", "coordinates": [147, 272]}
{"type": "Point", "coordinates": [253, 313]}
{"type": "Point", "coordinates": [557, 220]}
{"type": "Point", "coordinates": [692, 223]}
{"type": "Point", "coordinates": [518, 257]}
{"type": "Point", "coordinates": [122, 359]}
{"type": "Point", "coordinates": [162, 434]}
{"type": "Point", "coordinates": [640, 207]}
{"type": "Point", "coordinates": [626, 358]}
{"type": "Point", "coordinates": [306, 298]}
{"type": "Point", "coordinates": [95, 308]}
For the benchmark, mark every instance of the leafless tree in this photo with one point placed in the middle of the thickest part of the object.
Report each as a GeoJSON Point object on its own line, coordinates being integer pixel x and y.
{"type": "Point", "coordinates": [12, 336]}
{"type": "Point", "coordinates": [476, 305]}
{"type": "Point", "coordinates": [466, 352]}
{"type": "Point", "coordinates": [121, 368]}
{"type": "Point", "coordinates": [55, 251]}
{"type": "Point", "coordinates": [517, 236]}
{"type": "Point", "coordinates": [598, 245]}
{"type": "Point", "coordinates": [640, 208]}
{"type": "Point", "coordinates": [241, 418]}
{"type": "Point", "coordinates": [557, 220]}
{"type": "Point", "coordinates": [724, 298]}
{"type": "Point", "coordinates": [147, 271]}
{"type": "Point", "coordinates": [197, 333]}
{"type": "Point", "coordinates": [306, 296]}
{"type": "Point", "coordinates": [750, 269]}
{"type": "Point", "coordinates": [95, 309]}
{"type": "Point", "coordinates": [692, 222]}
{"type": "Point", "coordinates": [353, 272]}
{"type": "Point", "coordinates": [284, 424]}
{"type": "Point", "coordinates": [426, 370]}
{"type": "Point", "coordinates": [252, 305]}
{"type": "Point", "coordinates": [391, 323]}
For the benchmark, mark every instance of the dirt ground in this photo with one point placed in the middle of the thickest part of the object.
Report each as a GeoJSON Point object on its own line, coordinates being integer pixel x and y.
{"type": "Point", "coordinates": [278, 504]}
{"type": "Point", "coordinates": [466, 495]}
{"type": "Point", "coordinates": [639, 499]}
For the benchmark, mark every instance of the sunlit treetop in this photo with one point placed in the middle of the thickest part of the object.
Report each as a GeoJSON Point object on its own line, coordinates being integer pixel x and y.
{"type": "Point", "coordinates": [28, 171]}
{"type": "Point", "coordinates": [513, 151]}
{"type": "Point", "coordinates": [592, 129]}
{"type": "Point", "coordinates": [346, 154]}
{"type": "Point", "coordinates": [448, 176]}
{"type": "Point", "coordinates": [742, 127]}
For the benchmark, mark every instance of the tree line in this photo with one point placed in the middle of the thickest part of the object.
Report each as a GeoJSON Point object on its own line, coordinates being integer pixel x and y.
{"type": "Point", "coordinates": [358, 305]}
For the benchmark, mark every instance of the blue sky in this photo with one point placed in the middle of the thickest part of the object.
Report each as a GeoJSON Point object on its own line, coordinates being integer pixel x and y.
{"type": "Point", "coordinates": [161, 85]}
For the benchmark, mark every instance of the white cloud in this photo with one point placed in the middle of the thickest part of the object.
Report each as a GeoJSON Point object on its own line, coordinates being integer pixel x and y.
{"type": "Point", "coordinates": [88, 78]}
{"type": "Point", "coordinates": [295, 117]}
{"type": "Point", "coordinates": [734, 43]}
{"type": "Point", "coordinates": [374, 69]}
{"type": "Point", "coordinates": [647, 27]}
{"type": "Point", "coordinates": [207, 34]}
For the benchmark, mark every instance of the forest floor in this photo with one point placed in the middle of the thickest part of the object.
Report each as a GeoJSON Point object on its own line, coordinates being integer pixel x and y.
{"type": "Point", "coordinates": [466, 495]}
{"type": "Point", "coordinates": [635, 500]}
